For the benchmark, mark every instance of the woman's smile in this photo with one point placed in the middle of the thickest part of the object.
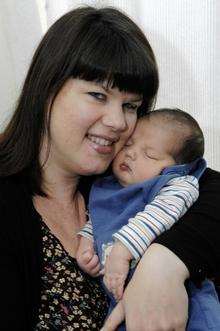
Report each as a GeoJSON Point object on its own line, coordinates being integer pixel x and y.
{"type": "Point", "coordinates": [103, 144]}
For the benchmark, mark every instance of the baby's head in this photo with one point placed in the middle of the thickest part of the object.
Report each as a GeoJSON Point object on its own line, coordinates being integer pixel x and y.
{"type": "Point", "coordinates": [162, 138]}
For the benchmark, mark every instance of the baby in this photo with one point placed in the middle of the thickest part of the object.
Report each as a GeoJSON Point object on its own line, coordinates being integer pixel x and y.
{"type": "Point", "coordinates": [155, 181]}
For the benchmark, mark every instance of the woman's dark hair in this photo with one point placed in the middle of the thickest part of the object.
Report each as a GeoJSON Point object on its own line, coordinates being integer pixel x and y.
{"type": "Point", "coordinates": [88, 43]}
{"type": "Point", "coordinates": [191, 143]}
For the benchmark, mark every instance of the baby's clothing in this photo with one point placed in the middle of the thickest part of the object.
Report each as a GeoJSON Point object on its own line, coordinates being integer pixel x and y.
{"type": "Point", "coordinates": [115, 215]}
{"type": "Point", "coordinates": [139, 213]}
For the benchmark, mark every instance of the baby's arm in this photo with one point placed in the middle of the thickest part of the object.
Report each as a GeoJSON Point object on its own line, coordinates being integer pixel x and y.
{"type": "Point", "coordinates": [171, 203]}
{"type": "Point", "coordinates": [86, 257]}
{"type": "Point", "coordinates": [116, 269]}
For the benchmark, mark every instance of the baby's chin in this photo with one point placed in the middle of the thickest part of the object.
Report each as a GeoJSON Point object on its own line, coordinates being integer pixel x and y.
{"type": "Point", "coordinates": [123, 181]}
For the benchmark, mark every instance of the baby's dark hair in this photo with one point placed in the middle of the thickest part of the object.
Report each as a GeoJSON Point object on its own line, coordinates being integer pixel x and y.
{"type": "Point", "coordinates": [192, 139]}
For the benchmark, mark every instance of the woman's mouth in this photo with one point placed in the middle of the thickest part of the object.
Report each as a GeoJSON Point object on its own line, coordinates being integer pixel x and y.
{"type": "Point", "coordinates": [102, 145]}
{"type": "Point", "coordinates": [100, 141]}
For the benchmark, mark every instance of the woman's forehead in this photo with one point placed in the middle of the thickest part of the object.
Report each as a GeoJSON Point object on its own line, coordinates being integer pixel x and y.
{"type": "Point", "coordinates": [110, 89]}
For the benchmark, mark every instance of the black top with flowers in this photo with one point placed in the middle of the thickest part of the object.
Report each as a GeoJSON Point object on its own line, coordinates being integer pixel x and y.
{"type": "Point", "coordinates": [70, 299]}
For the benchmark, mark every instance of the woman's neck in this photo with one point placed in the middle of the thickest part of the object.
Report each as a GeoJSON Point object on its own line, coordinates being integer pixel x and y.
{"type": "Point", "coordinates": [58, 183]}
{"type": "Point", "coordinates": [60, 187]}
{"type": "Point", "coordinates": [63, 210]}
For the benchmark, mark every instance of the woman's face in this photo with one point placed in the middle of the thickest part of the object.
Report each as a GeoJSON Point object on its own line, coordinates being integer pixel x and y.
{"type": "Point", "coordinates": [89, 125]}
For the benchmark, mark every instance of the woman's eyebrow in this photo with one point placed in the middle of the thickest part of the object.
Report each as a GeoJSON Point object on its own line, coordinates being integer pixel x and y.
{"type": "Point", "coordinates": [107, 90]}
{"type": "Point", "coordinates": [137, 99]}
{"type": "Point", "coordinates": [101, 85]}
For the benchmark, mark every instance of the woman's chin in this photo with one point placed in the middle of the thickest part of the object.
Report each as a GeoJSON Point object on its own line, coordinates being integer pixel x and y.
{"type": "Point", "coordinates": [93, 169]}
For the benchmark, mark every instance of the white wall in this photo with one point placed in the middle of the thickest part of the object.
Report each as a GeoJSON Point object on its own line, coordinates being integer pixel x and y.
{"type": "Point", "coordinates": [185, 35]}
{"type": "Point", "coordinates": [20, 32]}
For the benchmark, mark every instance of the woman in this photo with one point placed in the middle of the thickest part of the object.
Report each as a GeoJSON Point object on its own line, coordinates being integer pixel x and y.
{"type": "Point", "coordinates": [92, 75]}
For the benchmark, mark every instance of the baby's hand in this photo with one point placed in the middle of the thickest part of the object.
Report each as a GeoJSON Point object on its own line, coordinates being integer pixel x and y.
{"type": "Point", "coordinates": [86, 257]}
{"type": "Point", "coordinates": [116, 269]}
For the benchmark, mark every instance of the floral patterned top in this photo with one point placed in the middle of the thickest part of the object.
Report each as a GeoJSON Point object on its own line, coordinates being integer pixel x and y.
{"type": "Point", "coordinates": [70, 299]}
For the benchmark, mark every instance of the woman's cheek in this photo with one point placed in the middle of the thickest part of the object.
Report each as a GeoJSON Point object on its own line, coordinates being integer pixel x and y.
{"type": "Point", "coordinates": [132, 120]}
{"type": "Point", "coordinates": [125, 136]}
{"type": "Point", "coordinates": [131, 127]}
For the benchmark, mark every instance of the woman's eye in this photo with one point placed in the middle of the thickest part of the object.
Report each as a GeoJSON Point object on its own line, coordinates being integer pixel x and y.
{"type": "Point", "coordinates": [130, 106]}
{"type": "Point", "coordinates": [98, 96]}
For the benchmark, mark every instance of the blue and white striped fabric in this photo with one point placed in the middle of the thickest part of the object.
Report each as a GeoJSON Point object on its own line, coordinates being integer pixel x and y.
{"type": "Point", "coordinates": [171, 203]}
{"type": "Point", "coordinates": [137, 214]}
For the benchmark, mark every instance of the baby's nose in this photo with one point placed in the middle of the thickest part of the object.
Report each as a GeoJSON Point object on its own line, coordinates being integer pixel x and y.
{"type": "Point", "coordinates": [131, 152]}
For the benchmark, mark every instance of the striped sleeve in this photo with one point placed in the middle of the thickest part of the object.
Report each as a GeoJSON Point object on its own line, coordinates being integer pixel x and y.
{"type": "Point", "coordinates": [87, 230]}
{"type": "Point", "coordinates": [171, 203]}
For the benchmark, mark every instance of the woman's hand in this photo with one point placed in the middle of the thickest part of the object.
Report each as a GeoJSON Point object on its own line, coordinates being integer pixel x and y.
{"type": "Point", "coordinates": [155, 299]}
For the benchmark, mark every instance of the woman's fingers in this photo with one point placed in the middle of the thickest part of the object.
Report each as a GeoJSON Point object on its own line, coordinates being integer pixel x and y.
{"type": "Point", "coordinates": [115, 318]}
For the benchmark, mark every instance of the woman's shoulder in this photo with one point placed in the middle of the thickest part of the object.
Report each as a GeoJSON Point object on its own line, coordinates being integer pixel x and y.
{"type": "Point", "coordinates": [12, 188]}
{"type": "Point", "coordinates": [209, 185]}
{"type": "Point", "coordinates": [16, 205]}
{"type": "Point", "coordinates": [210, 176]}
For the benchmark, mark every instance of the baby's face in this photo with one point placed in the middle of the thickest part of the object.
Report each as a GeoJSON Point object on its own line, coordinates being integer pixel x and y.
{"type": "Point", "coordinates": [145, 154]}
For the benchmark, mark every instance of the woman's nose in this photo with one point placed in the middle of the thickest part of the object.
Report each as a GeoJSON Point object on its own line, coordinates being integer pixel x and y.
{"type": "Point", "coordinates": [115, 118]}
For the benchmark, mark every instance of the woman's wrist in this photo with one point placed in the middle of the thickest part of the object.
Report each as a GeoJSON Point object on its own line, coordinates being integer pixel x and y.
{"type": "Point", "coordinates": [160, 257]}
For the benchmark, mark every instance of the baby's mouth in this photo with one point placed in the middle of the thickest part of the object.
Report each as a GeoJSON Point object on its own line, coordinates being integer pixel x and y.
{"type": "Point", "coordinates": [125, 167]}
